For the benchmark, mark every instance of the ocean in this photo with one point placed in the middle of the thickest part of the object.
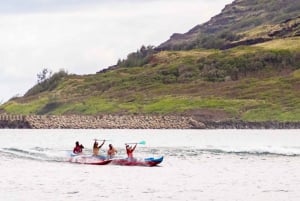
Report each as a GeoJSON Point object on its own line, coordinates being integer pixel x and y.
{"type": "Point", "coordinates": [208, 165]}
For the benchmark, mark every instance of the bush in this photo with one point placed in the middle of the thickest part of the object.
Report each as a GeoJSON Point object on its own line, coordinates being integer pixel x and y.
{"type": "Point", "coordinates": [138, 58]}
{"type": "Point", "coordinates": [46, 83]}
{"type": "Point", "coordinates": [217, 67]}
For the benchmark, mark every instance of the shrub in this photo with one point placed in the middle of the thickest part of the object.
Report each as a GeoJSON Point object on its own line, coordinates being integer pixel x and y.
{"type": "Point", "coordinates": [220, 65]}
{"type": "Point", "coordinates": [46, 84]}
{"type": "Point", "coordinates": [138, 58]}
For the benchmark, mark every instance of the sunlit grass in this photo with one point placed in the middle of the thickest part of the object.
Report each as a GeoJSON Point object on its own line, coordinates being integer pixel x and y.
{"type": "Point", "coordinates": [181, 104]}
{"type": "Point", "coordinates": [32, 107]}
{"type": "Point", "coordinates": [283, 44]}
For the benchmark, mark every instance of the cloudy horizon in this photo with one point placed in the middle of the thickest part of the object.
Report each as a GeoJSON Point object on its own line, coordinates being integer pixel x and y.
{"type": "Point", "coordinates": [84, 37]}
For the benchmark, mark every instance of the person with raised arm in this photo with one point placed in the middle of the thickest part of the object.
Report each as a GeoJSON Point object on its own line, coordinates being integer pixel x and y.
{"type": "Point", "coordinates": [130, 150]}
{"type": "Point", "coordinates": [96, 148]}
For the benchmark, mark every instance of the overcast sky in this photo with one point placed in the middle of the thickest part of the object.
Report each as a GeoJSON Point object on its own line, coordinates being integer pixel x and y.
{"type": "Point", "coordinates": [85, 36]}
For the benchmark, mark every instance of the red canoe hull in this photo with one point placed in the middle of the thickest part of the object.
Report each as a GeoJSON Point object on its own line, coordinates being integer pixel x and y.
{"type": "Point", "coordinates": [89, 160]}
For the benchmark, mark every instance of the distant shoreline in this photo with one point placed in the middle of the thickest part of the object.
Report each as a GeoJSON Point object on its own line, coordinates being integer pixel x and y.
{"type": "Point", "coordinates": [131, 122]}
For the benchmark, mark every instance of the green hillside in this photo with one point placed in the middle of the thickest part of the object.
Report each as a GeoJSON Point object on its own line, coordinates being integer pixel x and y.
{"type": "Point", "coordinates": [206, 83]}
{"type": "Point", "coordinates": [251, 82]}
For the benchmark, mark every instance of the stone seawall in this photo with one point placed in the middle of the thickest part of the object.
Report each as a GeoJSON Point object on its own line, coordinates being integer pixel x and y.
{"type": "Point", "coordinates": [131, 122]}
{"type": "Point", "coordinates": [111, 122]}
{"type": "Point", "coordinates": [251, 125]}
{"type": "Point", "coordinates": [101, 122]}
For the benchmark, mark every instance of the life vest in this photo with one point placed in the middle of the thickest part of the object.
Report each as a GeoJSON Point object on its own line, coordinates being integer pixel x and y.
{"type": "Point", "coordinates": [129, 153]}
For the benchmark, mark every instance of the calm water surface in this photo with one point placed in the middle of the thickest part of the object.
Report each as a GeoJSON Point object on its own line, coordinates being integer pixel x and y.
{"type": "Point", "coordinates": [220, 165]}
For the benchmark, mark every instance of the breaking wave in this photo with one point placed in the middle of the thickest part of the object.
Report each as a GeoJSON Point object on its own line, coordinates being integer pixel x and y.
{"type": "Point", "coordinates": [37, 153]}
{"type": "Point", "coordinates": [197, 152]}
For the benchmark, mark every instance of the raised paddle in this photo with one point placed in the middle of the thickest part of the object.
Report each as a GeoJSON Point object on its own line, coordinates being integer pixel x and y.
{"type": "Point", "coordinates": [141, 142]}
{"type": "Point", "coordinates": [100, 140]}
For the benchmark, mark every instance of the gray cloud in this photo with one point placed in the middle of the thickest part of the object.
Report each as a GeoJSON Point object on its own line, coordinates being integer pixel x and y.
{"type": "Point", "coordinates": [27, 6]}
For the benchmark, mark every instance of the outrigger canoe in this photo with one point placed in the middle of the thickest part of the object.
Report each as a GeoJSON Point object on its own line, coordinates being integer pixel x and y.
{"type": "Point", "coordinates": [137, 162]}
{"type": "Point", "coordinates": [102, 160]}
{"type": "Point", "coordinates": [88, 159]}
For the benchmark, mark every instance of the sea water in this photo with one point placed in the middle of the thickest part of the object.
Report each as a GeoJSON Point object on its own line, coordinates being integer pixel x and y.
{"type": "Point", "coordinates": [220, 165]}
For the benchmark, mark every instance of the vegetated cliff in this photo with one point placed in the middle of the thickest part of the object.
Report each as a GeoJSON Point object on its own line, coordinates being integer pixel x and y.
{"type": "Point", "coordinates": [252, 75]}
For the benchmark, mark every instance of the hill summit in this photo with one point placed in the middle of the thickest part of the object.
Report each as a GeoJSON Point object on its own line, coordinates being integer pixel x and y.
{"type": "Point", "coordinates": [243, 22]}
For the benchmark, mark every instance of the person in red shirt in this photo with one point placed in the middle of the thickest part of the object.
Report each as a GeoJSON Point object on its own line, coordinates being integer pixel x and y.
{"type": "Point", "coordinates": [129, 150]}
{"type": "Point", "coordinates": [78, 148]}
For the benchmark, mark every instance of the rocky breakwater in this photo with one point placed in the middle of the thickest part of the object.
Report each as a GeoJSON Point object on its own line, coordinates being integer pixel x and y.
{"type": "Point", "coordinates": [13, 121]}
{"type": "Point", "coordinates": [250, 125]}
{"type": "Point", "coordinates": [112, 122]}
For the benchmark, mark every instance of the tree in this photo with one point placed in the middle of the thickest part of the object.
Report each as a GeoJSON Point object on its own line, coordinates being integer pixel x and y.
{"type": "Point", "coordinates": [42, 76]}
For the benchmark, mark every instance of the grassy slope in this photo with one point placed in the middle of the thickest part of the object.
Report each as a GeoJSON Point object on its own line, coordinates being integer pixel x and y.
{"type": "Point", "coordinates": [173, 83]}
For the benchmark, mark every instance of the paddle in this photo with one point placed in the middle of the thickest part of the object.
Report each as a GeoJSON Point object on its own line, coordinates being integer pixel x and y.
{"type": "Point", "coordinates": [141, 142]}
{"type": "Point", "coordinates": [100, 140]}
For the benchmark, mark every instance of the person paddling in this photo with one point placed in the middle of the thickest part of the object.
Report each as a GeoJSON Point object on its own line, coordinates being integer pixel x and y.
{"type": "Point", "coordinates": [130, 150]}
{"type": "Point", "coordinates": [111, 152]}
{"type": "Point", "coordinates": [78, 148]}
{"type": "Point", "coordinates": [96, 148]}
